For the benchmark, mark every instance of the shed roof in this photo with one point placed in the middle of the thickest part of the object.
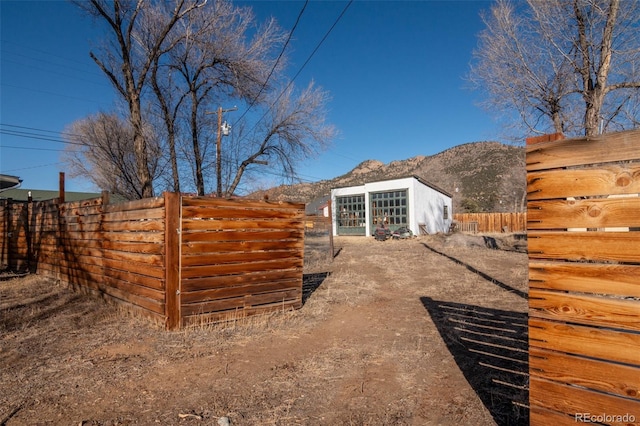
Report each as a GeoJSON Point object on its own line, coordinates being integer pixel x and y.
{"type": "Point", "coordinates": [8, 181]}
{"type": "Point", "coordinates": [42, 195]}
{"type": "Point", "coordinates": [416, 177]}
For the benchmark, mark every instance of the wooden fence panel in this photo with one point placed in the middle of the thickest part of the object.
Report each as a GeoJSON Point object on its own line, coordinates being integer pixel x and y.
{"type": "Point", "coordinates": [584, 263]}
{"type": "Point", "coordinates": [134, 261]}
{"type": "Point", "coordinates": [239, 257]}
{"type": "Point", "coordinates": [177, 260]}
{"type": "Point", "coordinates": [491, 222]}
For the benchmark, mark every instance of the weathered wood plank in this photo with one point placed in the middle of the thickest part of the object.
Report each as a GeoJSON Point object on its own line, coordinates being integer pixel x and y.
{"type": "Point", "coordinates": [274, 297]}
{"type": "Point", "coordinates": [622, 146]}
{"type": "Point", "coordinates": [585, 309]}
{"type": "Point", "coordinates": [133, 289]}
{"type": "Point", "coordinates": [212, 213]}
{"type": "Point", "coordinates": [620, 280]}
{"type": "Point", "coordinates": [581, 402]}
{"type": "Point", "coordinates": [590, 213]}
{"type": "Point", "coordinates": [594, 374]}
{"type": "Point", "coordinates": [147, 259]}
{"type": "Point", "coordinates": [541, 417]}
{"type": "Point", "coordinates": [144, 204]}
{"type": "Point", "coordinates": [592, 342]}
{"type": "Point", "coordinates": [243, 305]}
{"type": "Point", "coordinates": [131, 237]}
{"type": "Point", "coordinates": [242, 236]}
{"type": "Point", "coordinates": [190, 225]}
{"type": "Point", "coordinates": [236, 291]}
{"type": "Point", "coordinates": [596, 246]}
{"type": "Point", "coordinates": [593, 181]}
{"type": "Point", "coordinates": [143, 302]}
{"type": "Point", "coordinates": [240, 203]}
{"type": "Point", "coordinates": [256, 278]}
{"type": "Point", "coordinates": [239, 268]}
{"type": "Point", "coordinates": [133, 278]}
{"type": "Point", "coordinates": [212, 306]}
{"type": "Point", "coordinates": [191, 247]}
{"type": "Point", "coordinates": [133, 247]}
{"type": "Point", "coordinates": [205, 258]}
{"type": "Point", "coordinates": [153, 271]}
{"type": "Point", "coordinates": [173, 309]}
{"type": "Point", "coordinates": [134, 226]}
{"type": "Point", "coordinates": [134, 215]}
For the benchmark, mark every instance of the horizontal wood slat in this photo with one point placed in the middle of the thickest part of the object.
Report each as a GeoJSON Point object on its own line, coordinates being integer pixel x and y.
{"type": "Point", "coordinates": [577, 246]}
{"type": "Point", "coordinates": [585, 309]}
{"type": "Point", "coordinates": [257, 278]}
{"type": "Point", "coordinates": [239, 203]}
{"type": "Point", "coordinates": [603, 180]}
{"type": "Point", "coordinates": [235, 291]}
{"type": "Point", "coordinates": [189, 225]}
{"type": "Point", "coordinates": [192, 246]}
{"type": "Point", "coordinates": [212, 258]}
{"type": "Point", "coordinates": [277, 299]}
{"type": "Point", "coordinates": [580, 402]}
{"type": "Point", "coordinates": [239, 268]}
{"type": "Point", "coordinates": [586, 372]}
{"type": "Point", "coordinates": [541, 416]}
{"type": "Point", "coordinates": [592, 342]}
{"type": "Point", "coordinates": [240, 213]}
{"type": "Point", "coordinates": [611, 147]}
{"type": "Point", "coordinates": [594, 213]}
{"type": "Point", "coordinates": [607, 279]}
{"type": "Point", "coordinates": [253, 235]}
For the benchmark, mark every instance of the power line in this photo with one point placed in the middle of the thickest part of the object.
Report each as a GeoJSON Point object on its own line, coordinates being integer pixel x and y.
{"type": "Point", "coordinates": [49, 93]}
{"type": "Point", "coordinates": [275, 65]}
{"type": "Point", "coordinates": [303, 65]}
{"type": "Point", "coordinates": [43, 137]}
{"type": "Point", "coordinates": [33, 167]}
{"type": "Point", "coordinates": [31, 148]}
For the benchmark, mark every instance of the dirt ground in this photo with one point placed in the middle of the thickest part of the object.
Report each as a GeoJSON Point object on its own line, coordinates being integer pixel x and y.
{"type": "Point", "coordinates": [424, 331]}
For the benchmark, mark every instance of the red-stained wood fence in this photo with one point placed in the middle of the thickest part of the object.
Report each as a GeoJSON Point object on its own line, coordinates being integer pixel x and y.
{"type": "Point", "coordinates": [491, 222]}
{"type": "Point", "coordinates": [584, 278]}
{"type": "Point", "coordinates": [179, 260]}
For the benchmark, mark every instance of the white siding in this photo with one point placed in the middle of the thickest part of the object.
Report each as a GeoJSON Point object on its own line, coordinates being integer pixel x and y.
{"type": "Point", "coordinates": [425, 204]}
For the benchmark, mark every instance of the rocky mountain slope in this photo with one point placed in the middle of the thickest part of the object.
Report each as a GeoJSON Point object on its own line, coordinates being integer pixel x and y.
{"type": "Point", "coordinates": [481, 176]}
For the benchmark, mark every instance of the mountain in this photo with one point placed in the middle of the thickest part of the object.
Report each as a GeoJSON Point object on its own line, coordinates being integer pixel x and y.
{"type": "Point", "coordinates": [481, 176]}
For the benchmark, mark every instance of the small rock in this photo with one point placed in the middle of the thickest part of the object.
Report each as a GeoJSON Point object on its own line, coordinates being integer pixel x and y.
{"type": "Point", "coordinates": [224, 421]}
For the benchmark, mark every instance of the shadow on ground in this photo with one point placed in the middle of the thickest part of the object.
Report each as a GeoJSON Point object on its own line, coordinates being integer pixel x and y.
{"type": "Point", "coordinates": [310, 283]}
{"type": "Point", "coordinates": [490, 347]}
{"type": "Point", "coordinates": [480, 273]}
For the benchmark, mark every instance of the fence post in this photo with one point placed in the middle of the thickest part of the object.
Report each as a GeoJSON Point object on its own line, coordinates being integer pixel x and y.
{"type": "Point", "coordinates": [333, 253]}
{"type": "Point", "coordinates": [172, 241]}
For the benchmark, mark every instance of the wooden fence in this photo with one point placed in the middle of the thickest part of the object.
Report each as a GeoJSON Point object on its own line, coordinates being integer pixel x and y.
{"type": "Point", "coordinates": [179, 260]}
{"type": "Point", "coordinates": [491, 222]}
{"type": "Point", "coordinates": [584, 269]}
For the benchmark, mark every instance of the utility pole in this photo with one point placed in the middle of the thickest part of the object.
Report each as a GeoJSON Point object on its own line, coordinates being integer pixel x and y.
{"type": "Point", "coordinates": [226, 129]}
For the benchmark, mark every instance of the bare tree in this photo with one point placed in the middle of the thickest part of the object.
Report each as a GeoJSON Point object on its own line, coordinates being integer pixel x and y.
{"type": "Point", "coordinates": [294, 129]}
{"type": "Point", "coordinates": [138, 37]}
{"type": "Point", "coordinates": [564, 65]}
{"type": "Point", "coordinates": [101, 149]}
{"type": "Point", "coordinates": [184, 58]}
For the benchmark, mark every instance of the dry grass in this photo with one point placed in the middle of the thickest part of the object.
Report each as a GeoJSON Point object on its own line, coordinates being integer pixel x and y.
{"type": "Point", "coordinates": [363, 350]}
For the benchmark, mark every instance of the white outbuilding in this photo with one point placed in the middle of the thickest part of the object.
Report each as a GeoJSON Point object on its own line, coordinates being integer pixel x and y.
{"type": "Point", "coordinates": [405, 202]}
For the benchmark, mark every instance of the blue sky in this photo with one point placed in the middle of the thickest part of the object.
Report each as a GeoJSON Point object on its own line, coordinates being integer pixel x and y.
{"type": "Point", "coordinates": [395, 71]}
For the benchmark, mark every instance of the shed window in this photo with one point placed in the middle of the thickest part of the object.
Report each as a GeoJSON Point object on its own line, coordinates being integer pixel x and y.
{"type": "Point", "coordinates": [350, 215]}
{"type": "Point", "coordinates": [445, 213]}
{"type": "Point", "coordinates": [383, 209]}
